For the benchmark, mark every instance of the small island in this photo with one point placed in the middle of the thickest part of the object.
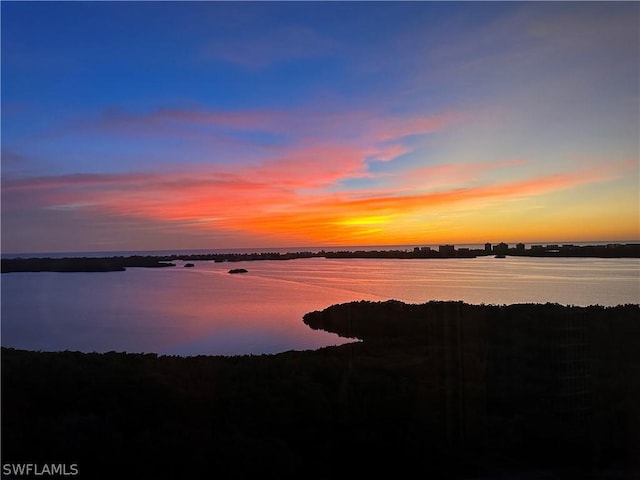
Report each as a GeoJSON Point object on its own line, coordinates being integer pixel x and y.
{"type": "Point", "coordinates": [189, 265]}
{"type": "Point", "coordinates": [238, 270]}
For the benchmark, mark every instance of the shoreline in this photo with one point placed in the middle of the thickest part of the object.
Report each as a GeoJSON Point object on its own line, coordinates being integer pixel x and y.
{"type": "Point", "coordinates": [442, 389]}
{"type": "Point", "coordinates": [356, 320]}
{"type": "Point", "coordinates": [501, 250]}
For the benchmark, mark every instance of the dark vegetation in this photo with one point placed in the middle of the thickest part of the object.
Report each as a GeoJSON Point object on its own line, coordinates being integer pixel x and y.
{"type": "Point", "coordinates": [107, 264]}
{"type": "Point", "coordinates": [439, 390]}
{"type": "Point", "coordinates": [628, 250]}
{"type": "Point", "coordinates": [81, 264]}
{"type": "Point", "coordinates": [238, 270]}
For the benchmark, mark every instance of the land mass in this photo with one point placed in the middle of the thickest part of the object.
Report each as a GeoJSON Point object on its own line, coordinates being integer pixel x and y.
{"type": "Point", "coordinates": [81, 264]}
{"type": "Point", "coordinates": [437, 390]}
{"type": "Point", "coordinates": [501, 250]}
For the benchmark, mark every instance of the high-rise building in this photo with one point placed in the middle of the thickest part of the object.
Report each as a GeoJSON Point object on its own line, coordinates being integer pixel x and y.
{"type": "Point", "coordinates": [501, 248]}
{"type": "Point", "coordinates": [447, 250]}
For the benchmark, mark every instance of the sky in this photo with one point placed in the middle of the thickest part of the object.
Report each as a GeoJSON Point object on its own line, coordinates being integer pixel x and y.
{"type": "Point", "coordinates": [193, 125]}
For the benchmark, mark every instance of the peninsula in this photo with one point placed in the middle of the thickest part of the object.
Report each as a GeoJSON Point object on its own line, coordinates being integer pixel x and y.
{"type": "Point", "coordinates": [81, 264]}
{"type": "Point", "coordinates": [436, 390]}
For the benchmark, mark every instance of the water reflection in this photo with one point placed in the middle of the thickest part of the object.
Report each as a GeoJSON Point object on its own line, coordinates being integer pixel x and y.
{"type": "Point", "coordinates": [204, 310]}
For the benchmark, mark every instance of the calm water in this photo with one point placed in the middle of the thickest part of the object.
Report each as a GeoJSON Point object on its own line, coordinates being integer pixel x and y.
{"type": "Point", "coordinates": [205, 310]}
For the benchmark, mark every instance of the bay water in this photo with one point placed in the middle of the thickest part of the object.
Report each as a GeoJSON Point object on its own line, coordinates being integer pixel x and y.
{"type": "Point", "coordinates": [206, 310]}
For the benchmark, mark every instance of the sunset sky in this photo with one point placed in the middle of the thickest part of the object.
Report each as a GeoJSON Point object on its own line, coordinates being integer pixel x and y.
{"type": "Point", "coordinates": [169, 125]}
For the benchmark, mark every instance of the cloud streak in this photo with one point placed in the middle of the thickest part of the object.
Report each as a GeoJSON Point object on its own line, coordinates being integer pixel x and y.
{"type": "Point", "coordinates": [319, 123]}
{"type": "Point", "coordinates": [304, 123]}
{"type": "Point", "coordinates": [328, 144]}
{"type": "Point", "coordinates": [281, 201]}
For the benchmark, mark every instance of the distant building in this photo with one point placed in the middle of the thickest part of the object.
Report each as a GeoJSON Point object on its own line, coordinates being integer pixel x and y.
{"type": "Point", "coordinates": [501, 248]}
{"type": "Point", "coordinates": [520, 248]}
{"type": "Point", "coordinates": [487, 247]}
{"type": "Point", "coordinates": [447, 250]}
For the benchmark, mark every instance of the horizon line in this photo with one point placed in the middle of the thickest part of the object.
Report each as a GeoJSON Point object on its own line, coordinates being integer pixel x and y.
{"type": "Point", "coordinates": [295, 249]}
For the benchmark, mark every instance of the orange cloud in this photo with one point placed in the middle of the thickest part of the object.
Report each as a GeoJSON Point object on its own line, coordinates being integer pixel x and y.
{"type": "Point", "coordinates": [523, 188]}
{"type": "Point", "coordinates": [312, 167]}
{"type": "Point", "coordinates": [279, 199]}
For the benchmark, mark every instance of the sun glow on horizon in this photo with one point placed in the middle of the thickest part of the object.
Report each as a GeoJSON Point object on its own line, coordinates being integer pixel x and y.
{"type": "Point", "coordinates": [517, 127]}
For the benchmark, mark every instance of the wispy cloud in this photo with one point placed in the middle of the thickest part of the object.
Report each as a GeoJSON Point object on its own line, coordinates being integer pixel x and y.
{"type": "Point", "coordinates": [458, 173]}
{"type": "Point", "coordinates": [328, 141]}
{"type": "Point", "coordinates": [275, 199]}
{"type": "Point", "coordinates": [302, 124]}
{"type": "Point", "coordinates": [337, 120]}
{"type": "Point", "coordinates": [81, 180]}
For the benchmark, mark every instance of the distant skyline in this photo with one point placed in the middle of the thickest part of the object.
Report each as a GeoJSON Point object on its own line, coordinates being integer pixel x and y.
{"type": "Point", "coordinates": [209, 125]}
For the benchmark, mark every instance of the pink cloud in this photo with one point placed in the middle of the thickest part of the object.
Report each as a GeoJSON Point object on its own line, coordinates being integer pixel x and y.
{"type": "Point", "coordinates": [313, 166]}
{"type": "Point", "coordinates": [396, 127]}
{"type": "Point", "coordinates": [388, 153]}
{"type": "Point", "coordinates": [299, 148]}
{"type": "Point", "coordinates": [278, 198]}
{"type": "Point", "coordinates": [295, 128]}
{"type": "Point", "coordinates": [323, 145]}
{"type": "Point", "coordinates": [452, 173]}
{"type": "Point", "coordinates": [513, 189]}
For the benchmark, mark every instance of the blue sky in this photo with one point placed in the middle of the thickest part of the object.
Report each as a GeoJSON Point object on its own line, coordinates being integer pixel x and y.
{"type": "Point", "coordinates": [139, 125]}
